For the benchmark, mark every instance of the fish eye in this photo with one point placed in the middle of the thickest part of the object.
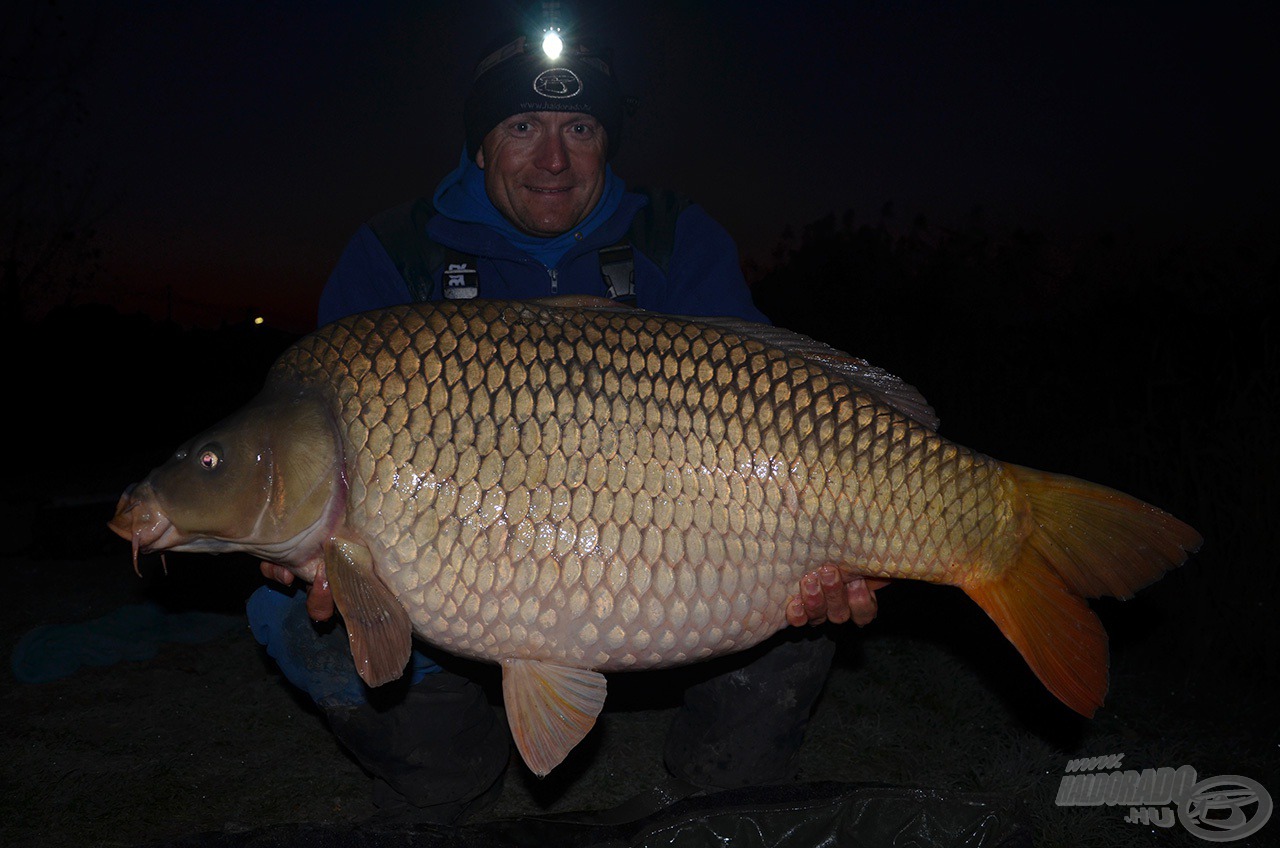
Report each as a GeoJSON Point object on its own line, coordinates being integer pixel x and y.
{"type": "Point", "coordinates": [209, 458]}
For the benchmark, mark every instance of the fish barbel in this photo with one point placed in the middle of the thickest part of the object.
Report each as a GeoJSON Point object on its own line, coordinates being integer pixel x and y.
{"type": "Point", "coordinates": [575, 489]}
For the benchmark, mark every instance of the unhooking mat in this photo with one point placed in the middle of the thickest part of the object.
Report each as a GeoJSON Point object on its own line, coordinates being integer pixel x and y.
{"type": "Point", "coordinates": [802, 815]}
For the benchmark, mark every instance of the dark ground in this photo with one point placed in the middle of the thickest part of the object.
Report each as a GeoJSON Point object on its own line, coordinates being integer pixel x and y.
{"type": "Point", "coordinates": [207, 737]}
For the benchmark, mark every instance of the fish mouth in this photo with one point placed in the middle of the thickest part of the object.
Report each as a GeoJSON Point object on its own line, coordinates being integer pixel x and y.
{"type": "Point", "coordinates": [140, 521]}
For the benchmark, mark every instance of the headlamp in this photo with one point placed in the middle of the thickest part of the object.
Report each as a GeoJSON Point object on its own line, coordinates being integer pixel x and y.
{"type": "Point", "coordinates": [552, 43]}
{"type": "Point", "coordinates": [552, 31]}
{"type": "Point", "coordinates": [547, 67]}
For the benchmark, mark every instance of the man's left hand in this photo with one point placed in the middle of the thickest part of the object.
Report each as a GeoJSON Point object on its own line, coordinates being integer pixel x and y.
{"type": "Point", "coordinates": [824, 596]}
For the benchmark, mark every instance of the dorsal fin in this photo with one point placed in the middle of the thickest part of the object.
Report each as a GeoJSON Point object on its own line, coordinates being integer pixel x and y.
{"type": "Point", "coordinates": [581, 301]}
{"type": "Point", "coordinates": [892, 390]}
{"type": "Point", "coordinates": [872, 379]}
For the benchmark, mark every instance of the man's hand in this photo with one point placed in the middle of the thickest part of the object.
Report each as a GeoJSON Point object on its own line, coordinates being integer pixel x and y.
{"type": "Point", "coordinates": [278, 573]}
{"type": "Point", "coordinates": [319, 596]}
{"type": "Point", "coordinates": [824, 597]}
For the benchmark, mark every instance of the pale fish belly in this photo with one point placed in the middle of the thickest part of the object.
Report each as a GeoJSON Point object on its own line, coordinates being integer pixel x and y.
{"type": "Point", "coordinates": [647, 583]}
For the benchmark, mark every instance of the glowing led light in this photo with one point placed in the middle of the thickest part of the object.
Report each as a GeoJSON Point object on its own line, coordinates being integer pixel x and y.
{"type": "Point", "coordinates": [552, 45]}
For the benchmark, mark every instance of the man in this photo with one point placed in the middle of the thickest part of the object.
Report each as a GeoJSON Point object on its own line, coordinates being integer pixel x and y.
{"type": "Point", "coordinates": [534, 210]}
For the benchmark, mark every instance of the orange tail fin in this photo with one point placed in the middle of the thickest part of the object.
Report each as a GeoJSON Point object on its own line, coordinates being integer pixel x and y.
{"type": "Point", "coordinates": [1088, 541]}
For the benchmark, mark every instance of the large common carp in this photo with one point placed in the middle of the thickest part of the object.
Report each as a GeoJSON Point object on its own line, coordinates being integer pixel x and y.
{"type": "Point", "coordinates": [568, 491]}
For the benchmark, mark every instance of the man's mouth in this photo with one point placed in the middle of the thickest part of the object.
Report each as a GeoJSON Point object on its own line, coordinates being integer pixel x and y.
{"type": "Point", "coordinates": [549, 190]}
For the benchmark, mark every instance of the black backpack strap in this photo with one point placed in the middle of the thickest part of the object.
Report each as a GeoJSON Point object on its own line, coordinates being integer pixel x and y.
{"type": "Point", "coordinates": [403, 233]}
{"type": "Point", "coordinates": [653, 230]}
{"type": "Point", "coordinates": [653, 233]}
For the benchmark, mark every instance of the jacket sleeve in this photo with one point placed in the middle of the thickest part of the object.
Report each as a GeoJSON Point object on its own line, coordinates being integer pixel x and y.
{"type": "Point", "coordinates": [364, 278]}
{"type": "Point", "coordinates": [705, 274]}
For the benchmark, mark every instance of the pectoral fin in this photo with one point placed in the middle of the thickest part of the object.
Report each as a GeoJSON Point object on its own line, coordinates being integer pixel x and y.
{"type": "Point", "coordinates": [377, 626]}
{"type": "Point", "coordinates": [550, 709]}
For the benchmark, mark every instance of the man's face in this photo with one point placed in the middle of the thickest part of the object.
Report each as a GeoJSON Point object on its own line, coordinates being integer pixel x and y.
{"type": "Point", "coordinates": [544, 170]}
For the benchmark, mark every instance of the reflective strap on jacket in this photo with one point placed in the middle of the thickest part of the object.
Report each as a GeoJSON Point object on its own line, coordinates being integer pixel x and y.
{"type": "Point", "coordinates": [618, 268]}
{"type": "Point", "coordinates": [461, 276]}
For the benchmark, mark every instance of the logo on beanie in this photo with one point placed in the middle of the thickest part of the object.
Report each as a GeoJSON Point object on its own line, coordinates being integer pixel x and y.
{"type": "Point", "coordinates": [557, 83]}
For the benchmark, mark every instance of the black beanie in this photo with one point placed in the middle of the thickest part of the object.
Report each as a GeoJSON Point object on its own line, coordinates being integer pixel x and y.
{"type": "Point", "coordinates": [520, 78]}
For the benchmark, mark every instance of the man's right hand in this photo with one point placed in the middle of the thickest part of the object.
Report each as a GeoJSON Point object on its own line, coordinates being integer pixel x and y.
{"type": "Point", "coordinates": [824, 596]}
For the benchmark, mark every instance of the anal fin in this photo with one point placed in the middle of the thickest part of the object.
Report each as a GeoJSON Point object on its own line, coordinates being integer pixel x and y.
{"type": "Point", "coordinates": [550, 709]}
{"type": "Point", "coordinates": [378, 627]}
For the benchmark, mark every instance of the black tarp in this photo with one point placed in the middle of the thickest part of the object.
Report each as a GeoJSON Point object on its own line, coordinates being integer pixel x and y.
{"type": "Point", "coordinates": [804, 815]}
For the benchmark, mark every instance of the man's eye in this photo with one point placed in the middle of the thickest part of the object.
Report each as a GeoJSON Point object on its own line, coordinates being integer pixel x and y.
{"type": "Point", "coordinates": [520, 126]}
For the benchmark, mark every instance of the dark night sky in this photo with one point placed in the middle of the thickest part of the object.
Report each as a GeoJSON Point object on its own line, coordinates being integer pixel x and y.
{"type": "Point", "coordinates": [241, 143]}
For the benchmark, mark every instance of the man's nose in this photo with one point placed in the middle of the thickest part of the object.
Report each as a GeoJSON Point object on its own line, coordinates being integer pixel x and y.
{"type": "Point", "coordinates": [553, 154]}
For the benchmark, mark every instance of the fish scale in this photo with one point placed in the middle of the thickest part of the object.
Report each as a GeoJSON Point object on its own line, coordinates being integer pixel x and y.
{"type": "Point", "coordinates": [575, 488]}
{"type": "Point", "coordinates": [653, 396]}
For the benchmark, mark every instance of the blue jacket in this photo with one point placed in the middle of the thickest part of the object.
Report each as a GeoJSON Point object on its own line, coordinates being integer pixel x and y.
{"type": "Point", "coordinates": [704, 277]}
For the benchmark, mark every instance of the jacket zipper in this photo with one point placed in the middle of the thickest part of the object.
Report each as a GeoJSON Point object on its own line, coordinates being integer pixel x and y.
{"type": "Point", "coordinates": [555, 282]}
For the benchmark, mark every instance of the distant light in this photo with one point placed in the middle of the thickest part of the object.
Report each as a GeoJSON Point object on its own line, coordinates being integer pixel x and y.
{"type": "Point", "coordinates": [552, 45]}
{"type": "Point", "coordinates": [259, 320]}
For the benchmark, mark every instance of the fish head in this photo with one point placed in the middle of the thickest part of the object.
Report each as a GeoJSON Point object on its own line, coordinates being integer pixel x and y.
{"type": "Point", "coordinates": [267, 481]}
